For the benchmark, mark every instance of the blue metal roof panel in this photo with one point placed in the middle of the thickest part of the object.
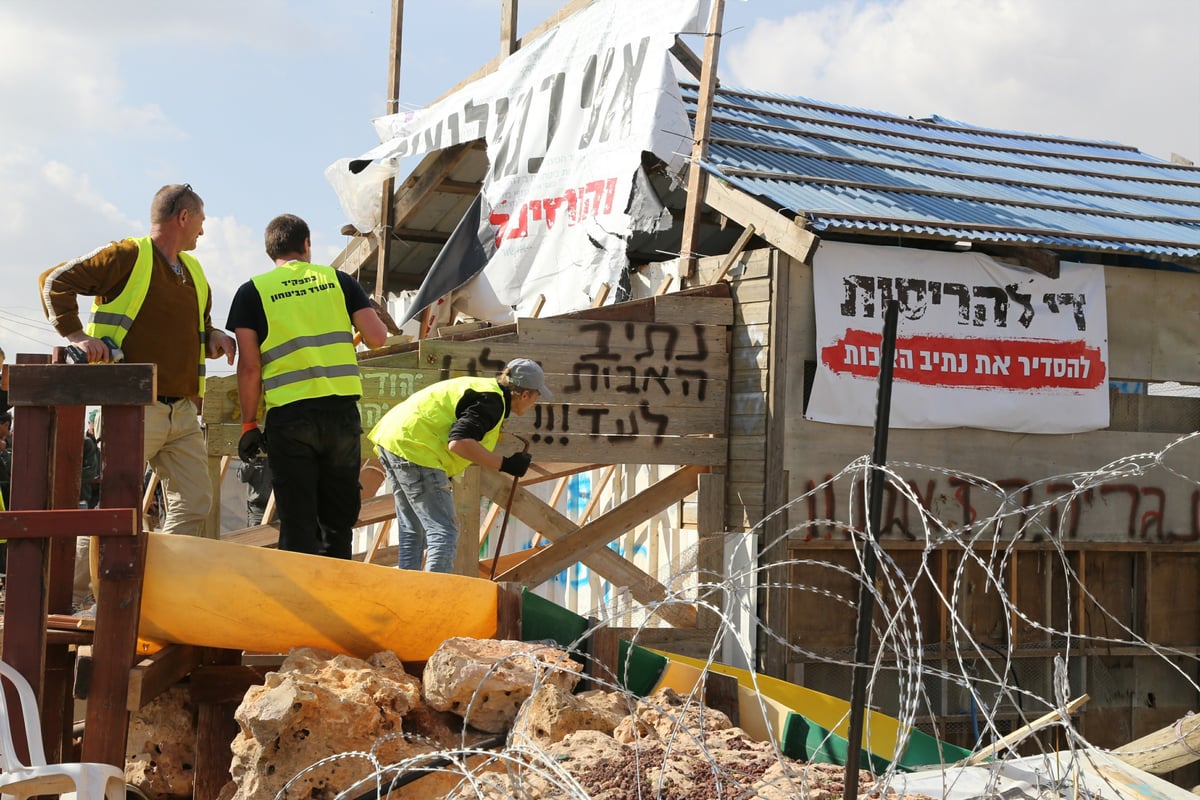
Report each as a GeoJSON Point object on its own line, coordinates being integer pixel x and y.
{"type": "Point", "coordinates": [855, 169]}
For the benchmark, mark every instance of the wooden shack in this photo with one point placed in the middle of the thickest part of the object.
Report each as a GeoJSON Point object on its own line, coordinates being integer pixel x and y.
{"type": "Point", "coordinates": [714, 375]}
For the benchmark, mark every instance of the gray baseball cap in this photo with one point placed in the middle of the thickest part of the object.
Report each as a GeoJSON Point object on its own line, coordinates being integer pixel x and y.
{"type": "Point", "coordinates": [526, 374]}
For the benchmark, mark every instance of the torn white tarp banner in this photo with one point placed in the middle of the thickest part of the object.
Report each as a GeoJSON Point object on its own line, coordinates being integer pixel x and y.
{"type": "Point", "coordinates": [980, 344]}
{"type": "Point", "coordinates": [566, 120]}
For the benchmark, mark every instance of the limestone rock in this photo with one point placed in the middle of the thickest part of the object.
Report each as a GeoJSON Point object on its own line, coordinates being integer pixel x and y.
{"type": "Point", "coordinates": [160, 751]}
{"type": "Point", "coordinates": [485, 681]}
{"type": "Point", "coordinates": [319, 705]}
{"type": "Point", "coordinates": [552, 712]}
{"type": "Point", "coordinates": [665, 714]}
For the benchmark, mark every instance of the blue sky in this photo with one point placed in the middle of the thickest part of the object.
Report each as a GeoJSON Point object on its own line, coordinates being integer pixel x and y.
{"type": "Point", "coordinates": [250, 101]}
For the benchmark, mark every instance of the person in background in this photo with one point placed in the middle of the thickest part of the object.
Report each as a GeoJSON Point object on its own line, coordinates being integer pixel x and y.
{"type": "Point", "coordinates": [152, 300]}
{"type": "Point", "coordinates": [436, 434]}
{"type": "Point", "coordinates": [295, 329]}
{"type": "Point", "coordinates": [5, 455]}
{"type": "Point", "coordinates": [89, 480]}
{"type": "Point", "coordinates": [4, 406]}
{"type": "Point", "coordinates": [256, 474]}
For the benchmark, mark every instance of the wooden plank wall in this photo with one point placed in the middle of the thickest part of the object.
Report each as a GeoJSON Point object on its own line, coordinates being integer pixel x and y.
{"type": "Point", "coordinates": [625, 391]}
{"type": "Point", "coordinates": [1130, 543]}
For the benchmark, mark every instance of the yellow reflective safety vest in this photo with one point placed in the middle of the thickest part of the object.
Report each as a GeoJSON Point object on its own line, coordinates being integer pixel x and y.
{"type": "Point", "coordinates": [418, 429]}
{"type": "Point", "coordinates": [309, 349]}
{"type": "Point", "coordinates": [115, 318]}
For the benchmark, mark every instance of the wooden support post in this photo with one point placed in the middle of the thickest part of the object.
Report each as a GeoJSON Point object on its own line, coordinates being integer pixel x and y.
{"type": "Point", "coordinates": [508, 611]}
{"type": "Point", "coordinates": [387, 211]}
{"type": "Point", "coordinates": [508, 28]}
{"type": "Point", "coordinates": [721, 693]}
{"type": "Point", "coordinates": [28, 567]}
{"type": "Point", "coordinates": [119, 590]}
{"type": "Point", "coordinates": [605, 667]}
{"type": "Point", "coordinates": [212, 526]}
{"type": "Point", "coordinates": [773, 546]}
{"type": "Point", "coordinates": [466, 507]}
{"type": "Point", "coordinates": [58, 704]}
{"type": "Point", "coordinates": [215, 729]}
{"type": "Point", "coordinates": [40, 391]}
{"type": "Point", "coordinates": [710, 528]}
{"type": "Point", "coordinates": [703, 123]}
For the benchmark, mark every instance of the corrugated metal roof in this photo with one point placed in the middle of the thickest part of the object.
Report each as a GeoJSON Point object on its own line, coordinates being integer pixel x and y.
{"type": "Point", "coordinates": [852, 170]}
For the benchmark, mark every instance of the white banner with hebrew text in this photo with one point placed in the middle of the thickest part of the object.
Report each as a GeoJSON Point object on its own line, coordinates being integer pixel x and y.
{"type": "Point", "coordinates": [980, 344]}
{"type": "Point", "coordinates": [566, 119]}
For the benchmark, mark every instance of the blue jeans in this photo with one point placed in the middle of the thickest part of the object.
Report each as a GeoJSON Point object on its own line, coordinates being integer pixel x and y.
{"type": "Point", "coordinates": [426, 525]}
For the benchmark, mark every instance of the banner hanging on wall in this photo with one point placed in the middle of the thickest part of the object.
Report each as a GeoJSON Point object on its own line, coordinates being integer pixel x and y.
{"type": "Point", "coordinates": [566, 119]}
{"type": "Point", "coordinates": [980, 344]}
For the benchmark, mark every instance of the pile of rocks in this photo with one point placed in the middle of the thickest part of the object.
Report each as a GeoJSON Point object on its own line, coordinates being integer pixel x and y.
{"type": "Point", "coordinates": [323, 724]}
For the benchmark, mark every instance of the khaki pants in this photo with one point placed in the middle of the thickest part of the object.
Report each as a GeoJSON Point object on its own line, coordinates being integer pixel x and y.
{"type": "Point", "coordinates": [175, 449]}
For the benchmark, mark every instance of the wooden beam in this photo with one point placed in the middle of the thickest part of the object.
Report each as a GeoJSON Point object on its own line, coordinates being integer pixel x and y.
{"type": "Point", "coordinates": [738, 247]}
{"type": "Point", "coordinates": [75, 522]}
{"type": "Point", "coordinates": [1023, 731]}
{"type": "Point", "coordinates": [703, 124]}
{"type": "Point", "coordinates": [687, 58]}
{"type": "Point", "coordinates": [1167, 749]}
{"type": "Point", "coordinates": [1038, 259]}
{"type": "Point", "coordinates": [412, 193]}
{"type": "Point", "coordinates": [376, 509]}
{"type": "Point", "coordinates": [420, 236]}
{"type": "Point", "coordinates": [223, 683]}
{"type": "Point", "coordinates": [82, 384]}
{"type": "Point", "coordinates": [460, 187]}
{"type": "Point", "coordinates": [156, 673]}
{"type": "Point", "coordinates": [596, 535]}
{"type": "Point", "coordinates": [554, 526]}
{"type": "Point", "coordinates": [768, 223]}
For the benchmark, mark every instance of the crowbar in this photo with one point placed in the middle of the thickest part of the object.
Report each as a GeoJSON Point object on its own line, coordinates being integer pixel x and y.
{"type": "Point", "coordinates": [512, 493]}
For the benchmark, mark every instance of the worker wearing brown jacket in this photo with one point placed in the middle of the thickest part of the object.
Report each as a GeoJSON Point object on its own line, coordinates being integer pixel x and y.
{"type": "Point", "coordinates": [152, 299]}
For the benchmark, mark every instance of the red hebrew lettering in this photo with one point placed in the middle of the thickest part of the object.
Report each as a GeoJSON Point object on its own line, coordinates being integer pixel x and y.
{"type": "Point", "coordinates": [1016, 365]}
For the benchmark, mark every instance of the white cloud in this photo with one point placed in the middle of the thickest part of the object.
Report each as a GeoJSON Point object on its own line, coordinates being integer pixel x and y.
{"type": "Point", "coordinates": [1093, 69]}
{"type": "Point", "coordinates": [61, 83]}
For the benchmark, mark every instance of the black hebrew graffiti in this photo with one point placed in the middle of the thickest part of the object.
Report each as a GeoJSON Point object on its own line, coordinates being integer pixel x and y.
{"type": "Point", "coordinates": [978, 306]}
{"type": "Point", "coordinates": [652, 367]}
{"type": "Point", "coordinates": [523, 127]}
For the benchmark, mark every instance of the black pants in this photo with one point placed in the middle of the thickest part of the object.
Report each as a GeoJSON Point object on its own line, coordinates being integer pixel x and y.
{"type": "Point", "coordinates": [314, 448]}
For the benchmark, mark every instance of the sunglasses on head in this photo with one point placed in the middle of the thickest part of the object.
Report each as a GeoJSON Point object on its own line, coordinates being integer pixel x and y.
{"type": "Point", "coordinates": [183, 192]}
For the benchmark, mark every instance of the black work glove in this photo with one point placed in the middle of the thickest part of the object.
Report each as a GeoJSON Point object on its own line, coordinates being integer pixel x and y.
{"type": "Point", "coordinates": [251, 444]}
{"type": "Point", "coordinates": [516, 465]}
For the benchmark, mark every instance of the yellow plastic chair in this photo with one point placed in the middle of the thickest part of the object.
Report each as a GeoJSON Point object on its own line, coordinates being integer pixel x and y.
{"type": "Point", "coordinates": [76, 780]}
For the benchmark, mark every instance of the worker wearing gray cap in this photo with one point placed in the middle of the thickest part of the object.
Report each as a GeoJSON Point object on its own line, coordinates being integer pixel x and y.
{"type": "Point", "coordinates": [436, 434]}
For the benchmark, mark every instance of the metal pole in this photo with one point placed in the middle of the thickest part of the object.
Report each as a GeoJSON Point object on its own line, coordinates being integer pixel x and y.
{"type": "Point", "coordinates": [866, 600]}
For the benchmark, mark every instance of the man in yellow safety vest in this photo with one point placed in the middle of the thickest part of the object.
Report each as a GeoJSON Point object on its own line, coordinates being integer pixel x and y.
{"type": "Point", "coordinates": [152, 301]}
{"type": "Point", "coordinates": [295, 330]}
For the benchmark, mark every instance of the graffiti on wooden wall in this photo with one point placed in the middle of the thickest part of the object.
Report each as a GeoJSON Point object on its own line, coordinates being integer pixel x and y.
{"type": "Point", "coordinates": [1118, 511]}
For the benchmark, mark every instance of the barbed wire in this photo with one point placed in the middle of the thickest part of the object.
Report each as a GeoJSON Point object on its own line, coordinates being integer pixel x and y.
{"type": "Point", "coordinates": [904, 667]}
